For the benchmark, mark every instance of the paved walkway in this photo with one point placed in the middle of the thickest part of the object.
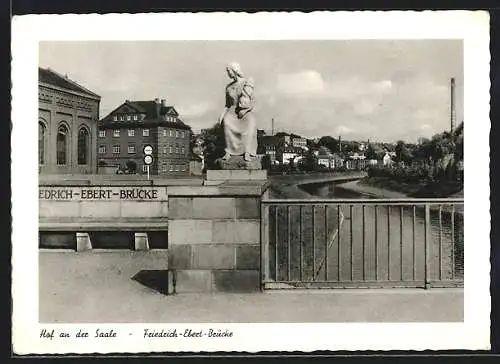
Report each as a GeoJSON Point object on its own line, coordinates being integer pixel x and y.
{"type": "Point", "coordinates": [98, 287]}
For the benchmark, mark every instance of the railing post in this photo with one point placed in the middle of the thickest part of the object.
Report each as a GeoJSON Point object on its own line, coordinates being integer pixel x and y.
{"type": "Point", "coordinates": [264, 244]}
{"type": "Point", "coordinates": [427, 239]}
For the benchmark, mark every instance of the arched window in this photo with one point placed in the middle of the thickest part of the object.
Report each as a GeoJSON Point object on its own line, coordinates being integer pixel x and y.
{"type": "Point", "coordinates": [83, 146]}
{"type": "Point", "coordinates": [62, 145]}
{"type": "Point", "coordinates": [42, 134]}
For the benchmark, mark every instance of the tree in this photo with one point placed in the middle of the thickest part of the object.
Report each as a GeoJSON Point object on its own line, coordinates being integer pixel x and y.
{"type": "Point", "coordinates": [329, 142]}
{"type": "Point", "coordinates": [374, 152]}
{"type": "Point", "coordinates": [213, 144]}
{"type": "Point", "coordinates": [266, 162]}
{"type": "Point", "coordinates": [403, 153]}
{"type": "Point", "coordinates": [309, 162]}
{"type": "Point", "coordinates": [131, 167]}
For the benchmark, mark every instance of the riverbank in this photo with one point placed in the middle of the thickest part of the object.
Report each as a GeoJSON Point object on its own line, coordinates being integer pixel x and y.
{"type": "Point", "coordinates": [387, 187]}
{"type": "Point", "coordinates": [287, 186]}
{"type": "Point", "coordinates": [364, 188]}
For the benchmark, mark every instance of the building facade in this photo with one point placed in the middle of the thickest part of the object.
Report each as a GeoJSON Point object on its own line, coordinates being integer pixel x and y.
{"type": "Point", "coordinates": [134, 124]}
{"type": "Point", "coordinates": [68, 114]}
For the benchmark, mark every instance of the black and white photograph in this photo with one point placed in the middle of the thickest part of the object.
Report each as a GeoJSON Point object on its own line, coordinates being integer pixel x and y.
{"type": "Point", "coordinates": [196, 191]}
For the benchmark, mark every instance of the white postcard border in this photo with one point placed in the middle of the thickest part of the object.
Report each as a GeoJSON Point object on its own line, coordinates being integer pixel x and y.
{"type": "Point", "coordinates": [473, 27]}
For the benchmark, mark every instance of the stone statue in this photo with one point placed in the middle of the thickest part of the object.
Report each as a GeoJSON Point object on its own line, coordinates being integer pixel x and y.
{"type": "Point", "coordinates": [239, 122]}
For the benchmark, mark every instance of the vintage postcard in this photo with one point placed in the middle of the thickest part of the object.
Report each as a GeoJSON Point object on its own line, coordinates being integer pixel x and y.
{"type": "Point", "coordinates": [250, 182]}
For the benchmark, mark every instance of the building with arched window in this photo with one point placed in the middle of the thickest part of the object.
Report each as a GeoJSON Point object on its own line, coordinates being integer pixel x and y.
{"type": "Point", "coordinates": [67, 125]}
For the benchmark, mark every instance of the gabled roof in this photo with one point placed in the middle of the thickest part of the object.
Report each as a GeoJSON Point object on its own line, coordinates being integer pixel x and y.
{"type": "Point", "coordinates": [50, 77]}
{"type": "Point", "coordinates": [149, 108]}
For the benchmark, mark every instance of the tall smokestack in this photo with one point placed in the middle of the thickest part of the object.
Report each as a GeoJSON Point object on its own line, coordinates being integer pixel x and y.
{"type": "Point", "coordinates": [340, 143]}
{"type": "Point", "coordinates": [272, 126]}
{"type": "Point", "coordinates": [452, 105]}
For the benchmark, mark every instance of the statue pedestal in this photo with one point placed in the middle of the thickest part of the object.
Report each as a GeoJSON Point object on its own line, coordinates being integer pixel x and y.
{"type": "Point", "coordinates": [214, 233]}
{"type": "Point", "coordinates": [238, 162]}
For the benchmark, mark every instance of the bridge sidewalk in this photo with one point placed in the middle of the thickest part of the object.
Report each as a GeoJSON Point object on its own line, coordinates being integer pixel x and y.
{"type": "Point", "coordinates": [98, 287]}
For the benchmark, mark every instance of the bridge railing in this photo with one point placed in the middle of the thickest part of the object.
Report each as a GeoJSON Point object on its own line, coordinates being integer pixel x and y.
{"type": "Point", "coordinates": [329, 243]}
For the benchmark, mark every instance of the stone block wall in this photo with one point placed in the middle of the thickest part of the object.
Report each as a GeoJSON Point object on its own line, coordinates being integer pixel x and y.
{"type": "Point", "coordinates": [214, 237]}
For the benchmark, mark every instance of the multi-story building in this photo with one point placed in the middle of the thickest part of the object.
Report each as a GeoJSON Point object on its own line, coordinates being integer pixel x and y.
{"type": "Point", "coordinates": [299, 142]}
{"type": "Point", "coordinates": [67, 125]}
{"type": "Point", "coordinates": [134, 124]}
{"type": "Point", "coordinates": [268, 145]}
{"type": "Point", "coordinates": [284, 155]}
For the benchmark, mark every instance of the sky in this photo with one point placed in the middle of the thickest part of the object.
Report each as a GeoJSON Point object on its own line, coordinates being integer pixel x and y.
{"type": "Point", "coordinates": [381, 90]}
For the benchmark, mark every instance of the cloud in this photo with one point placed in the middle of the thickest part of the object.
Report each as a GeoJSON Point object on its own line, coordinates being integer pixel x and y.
{"type": "Point", "coordinates": [195, 110]}
{"type": "Point", "coordinates": [305, 82]}
{"type": "Point", "coordinates": [344, 130]}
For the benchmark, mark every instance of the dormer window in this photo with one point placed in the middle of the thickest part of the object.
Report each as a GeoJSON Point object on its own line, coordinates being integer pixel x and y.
{"type": "Point", "coordinates": [135, 117]}
{"type": "Point", "coordinates": [129, 118]}
{"type": "Point", "coordinates": [115, 118]}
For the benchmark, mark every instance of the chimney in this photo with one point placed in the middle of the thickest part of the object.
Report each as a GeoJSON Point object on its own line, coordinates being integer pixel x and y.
{"type": "Point", "coordinates": [163, 103]}
{"type": "Point", "coordinates": [340, 143]}
{"type": "Point", "coordinates": [452, 105]}
{"type": "Point", "coordinates": [157, 102]}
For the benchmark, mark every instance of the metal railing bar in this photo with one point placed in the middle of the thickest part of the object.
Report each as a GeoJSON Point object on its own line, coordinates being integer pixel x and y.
{"type": "Point", "coordinates": [401, 215]}
{"type": "Point", "coordinates": [313, 245]}
{"type": "Point", "coordinates": [388, 243]}
{"type": "Point", "coordinates": [427, 239]}
{"type": "Point", "coordinates": [289, 261]}
{"type": "Point", "coordinates": [376, 242]}
{"type": "Point", "coordinates": [364, 241]}
{"type": "Point", "coordinates": [339, 260]}
{"type": "Point", "coordinates": [301, 247]}
{"type": "Point", "coordinates": [413, 247]}
{"type": "Point", "coordinates": [326, 243]}
{"type": "Point", "coordinates": [351, 242]}
{"type": "Point", "coordinates": [276, 269]}
{"type": "Point", "coordinates": [440, 244]}
{"type": "Point", "coordinates": [452, 241]}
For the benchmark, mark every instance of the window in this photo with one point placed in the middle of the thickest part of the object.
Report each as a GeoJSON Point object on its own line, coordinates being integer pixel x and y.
{"type": "Point", "coordinates": [182, 150]}
{"type": "Point", "coordinates": [102, 133]}
{"type": "Point", "coordinates": [182, 134]}
{"type": "Point", "coordinates": [170, 150]}
{"type": "Point", "coordinates": [164, 150]}
{"type": "Point", "coordinates": [145, 168]}
{"type": "Point", "coordinates": [115, 118]}
{"type": "Point", "coordinates": [102, 149]}
{"type": "Point", "coordinates": [136, 117]}
{"type": "Point", "coordinates": [183, 168]}
{"type": "Point", "coordinates": [164, 167]}
{"type": "Point", "coordinates": [171, 133]}
{"type": "Point", "coordinates": [83, 146]}
{"type": "Point", "coordinates": [176, 150]}
{"type": "Point", "coordinates": [116, 133]}
{"type": "Point", "coordinates": [145, 132]}
{"type": "Point", "coordinates": [171, 168]}
{"type": "Point", "coordinates": [177, 133]}
{"type": "Point", "coordinates": [129, 118]}
{"type": "Point", "coordinates": [164, 132]}
{"type": "Point", "coordinates": [62, 145]}
{"type": "Point", "coordinates": [116, 149]}
{"type": "Point", "coordinates": [42, 132]}
{"type": "Point", "coordinates": [131, 132]}
{"type": "Point", "coordinates": [131, 149]}
{"type": "Point", "coordinates": [177, 168]}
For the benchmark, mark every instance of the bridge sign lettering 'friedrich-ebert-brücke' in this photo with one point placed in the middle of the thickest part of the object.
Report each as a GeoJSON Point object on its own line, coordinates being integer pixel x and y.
{"type": "Point", "coordinates": [102, 193]}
